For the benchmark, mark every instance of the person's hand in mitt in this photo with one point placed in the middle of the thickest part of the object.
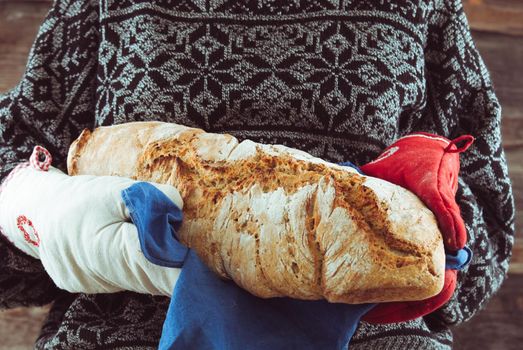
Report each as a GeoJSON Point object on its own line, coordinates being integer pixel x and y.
{"type": "Point", "coordinates": [80, 227]}
{"type": "Point", "coordinates": [428, 166]}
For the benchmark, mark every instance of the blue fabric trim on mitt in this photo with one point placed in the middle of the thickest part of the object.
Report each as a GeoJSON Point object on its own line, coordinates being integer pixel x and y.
{"type": "Point", "coordinates": [157, 219]}
{"type": "Point", "coordinates": [458, 260]}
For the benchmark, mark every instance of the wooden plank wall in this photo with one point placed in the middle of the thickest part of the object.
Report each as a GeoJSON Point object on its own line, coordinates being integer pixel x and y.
{"type": "Point", "coordinates": [498, 32]}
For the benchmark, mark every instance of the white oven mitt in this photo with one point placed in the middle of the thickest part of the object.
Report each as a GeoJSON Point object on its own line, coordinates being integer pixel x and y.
{"type": "Point", "coordinates": [80, 228]}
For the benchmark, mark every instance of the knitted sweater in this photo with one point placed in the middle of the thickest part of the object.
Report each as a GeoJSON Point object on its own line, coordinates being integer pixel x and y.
{"type": "Point", "coordinates": [340, 79]}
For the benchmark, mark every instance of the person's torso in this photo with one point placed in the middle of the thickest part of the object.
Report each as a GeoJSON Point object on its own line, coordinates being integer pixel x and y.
{"type": "Point", "coordinates": [338, 79]}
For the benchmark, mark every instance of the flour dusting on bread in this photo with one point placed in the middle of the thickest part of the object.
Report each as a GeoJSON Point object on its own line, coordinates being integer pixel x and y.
{"type": "Point", "coordinates": [276, 220]}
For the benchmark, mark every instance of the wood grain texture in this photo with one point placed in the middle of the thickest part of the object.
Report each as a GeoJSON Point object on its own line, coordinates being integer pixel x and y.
{"type": "Point", "coordinates": [503, 56]}
{"type": "Point", "coordinates": [19, 23]}
{"type": "Point", "coordinates": [502, 16]}
{"type": "Point", "coordinates": [515, 160]}
{"type": "Point", "coordinates": [19, 327]}
{"type": "Point", "coordinates": [499, 326]}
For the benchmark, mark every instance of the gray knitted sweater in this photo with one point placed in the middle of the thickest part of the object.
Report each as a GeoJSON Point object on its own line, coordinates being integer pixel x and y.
{"type": "Point", "coordinates": [340, 79]}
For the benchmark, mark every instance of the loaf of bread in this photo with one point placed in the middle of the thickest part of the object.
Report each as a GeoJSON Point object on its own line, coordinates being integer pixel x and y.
{"type": "Point", "coordinates": [276, 220]}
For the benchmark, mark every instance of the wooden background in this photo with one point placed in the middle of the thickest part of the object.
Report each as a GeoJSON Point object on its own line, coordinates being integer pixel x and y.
{"type": "Point", "coordinates": [498, 32]}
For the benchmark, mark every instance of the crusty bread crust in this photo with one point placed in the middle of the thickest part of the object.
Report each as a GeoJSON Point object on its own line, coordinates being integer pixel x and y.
{"type": "Point", "coordinates": [276, 220]}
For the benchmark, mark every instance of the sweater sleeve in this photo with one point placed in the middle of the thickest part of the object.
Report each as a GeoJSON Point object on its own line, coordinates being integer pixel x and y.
{"type": "Point", "coordinates": [461, 100]}
{"type": "Point", "coordinates": [49, 107]}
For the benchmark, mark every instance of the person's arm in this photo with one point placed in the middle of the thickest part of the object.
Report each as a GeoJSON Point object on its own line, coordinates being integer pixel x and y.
{"type": "Point", "coordinates": [461, 100]}
{"type": "Point", "coordinates": [49, 107]}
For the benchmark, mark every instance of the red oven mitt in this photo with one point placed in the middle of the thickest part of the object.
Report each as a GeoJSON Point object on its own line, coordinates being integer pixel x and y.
{"type": "Point", "coordinates": [428, 166]}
